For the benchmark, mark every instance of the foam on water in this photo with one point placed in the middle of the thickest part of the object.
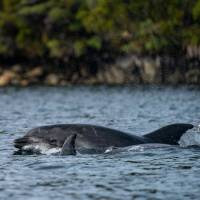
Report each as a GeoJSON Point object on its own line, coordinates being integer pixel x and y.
{"type": "Point", "coordinates": [142, 147]}
{"type": "Point", "coordinates": [53, 151]}
{"type": "Point", "coordinates": [136, 148]}
{"type": "Point", "coordinates": [41, 148]}
{"type": "Point", "coordinates": [190, 138]}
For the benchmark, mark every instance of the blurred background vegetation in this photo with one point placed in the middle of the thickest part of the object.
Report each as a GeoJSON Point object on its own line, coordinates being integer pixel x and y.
{"type": "Point", "coordinates": [68, 33]}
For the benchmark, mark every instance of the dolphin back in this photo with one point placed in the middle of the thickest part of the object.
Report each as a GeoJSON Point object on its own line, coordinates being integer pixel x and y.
{"type": "Point", "coordinates": [170, 134]}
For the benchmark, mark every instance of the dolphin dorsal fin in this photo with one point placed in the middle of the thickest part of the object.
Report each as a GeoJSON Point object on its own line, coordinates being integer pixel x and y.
{"type": "Point", "coordinates": [170, 134]}
{"type": "Point", "coordinates": [68, 147]}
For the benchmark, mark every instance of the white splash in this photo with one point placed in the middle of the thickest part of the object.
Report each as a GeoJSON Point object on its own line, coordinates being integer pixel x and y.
{"type": "Point", "coordinates": [41, 148]}
{"type": "Point", "coordinates": [108, 150]}
{"type": "Point", "coordinates": [190, 138]}
{"type": "Point", "coordinates": [136, 148]}
{"type": "Point", "coordinates": [53, 151]}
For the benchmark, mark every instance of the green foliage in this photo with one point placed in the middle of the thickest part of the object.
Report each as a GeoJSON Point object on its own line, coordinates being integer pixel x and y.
{"type": "Point", "coordinates": [75, 28]}
{"type": "Point", "coordinates": [196, 10]}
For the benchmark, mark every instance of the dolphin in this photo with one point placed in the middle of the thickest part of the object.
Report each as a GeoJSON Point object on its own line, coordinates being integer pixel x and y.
{"type": "Point", "coordinates": [86, 139]}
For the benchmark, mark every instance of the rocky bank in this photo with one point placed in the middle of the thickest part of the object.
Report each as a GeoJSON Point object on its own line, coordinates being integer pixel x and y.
{"type": "Point", "coordinates": [129, 69]}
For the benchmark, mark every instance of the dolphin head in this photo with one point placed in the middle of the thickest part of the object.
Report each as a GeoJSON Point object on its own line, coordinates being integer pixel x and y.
{"type": "Point", "coordinates": [40, 140]}
{"type": "Point", "coordinates": [32, 144]}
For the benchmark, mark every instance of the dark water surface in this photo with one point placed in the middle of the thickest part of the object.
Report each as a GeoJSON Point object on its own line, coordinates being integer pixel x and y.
{"type": "Point", "coordinates": [157, 173]}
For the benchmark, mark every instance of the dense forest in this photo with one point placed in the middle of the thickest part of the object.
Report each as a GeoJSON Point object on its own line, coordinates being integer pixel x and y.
{"type": "Point", "coordinates": [77, 39]}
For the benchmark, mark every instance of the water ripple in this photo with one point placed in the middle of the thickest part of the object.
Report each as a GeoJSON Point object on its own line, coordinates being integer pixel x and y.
{"type": "Point", "coordinates": [144, 173]}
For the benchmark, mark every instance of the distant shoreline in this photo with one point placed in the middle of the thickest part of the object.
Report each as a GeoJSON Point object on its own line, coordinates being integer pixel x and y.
{"type": "Point", "coordinates": [128, 69]}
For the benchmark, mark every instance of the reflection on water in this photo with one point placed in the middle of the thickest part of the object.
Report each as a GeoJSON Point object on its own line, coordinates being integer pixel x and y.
{"type": "Point", "coordinates": [154, 173]}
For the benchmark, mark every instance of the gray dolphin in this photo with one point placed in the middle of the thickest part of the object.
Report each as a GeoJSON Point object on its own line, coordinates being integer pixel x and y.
{"type": "Point", "coordinates": [84, 138]}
